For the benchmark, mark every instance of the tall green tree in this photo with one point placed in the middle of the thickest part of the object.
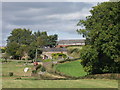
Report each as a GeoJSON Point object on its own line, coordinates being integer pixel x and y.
{"type": "Point", "coordinates": [52, 40]}
{"type": "Point", "coordinates": [18, 42]}
{"type": "Point", "coordinates": [12, 48]}
{"type": "Point", "coordinates": [102, 32]}
{"type": "Point", "coordinates": [20, 36]}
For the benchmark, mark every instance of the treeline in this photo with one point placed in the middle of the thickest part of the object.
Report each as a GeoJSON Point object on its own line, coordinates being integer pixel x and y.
{"type": "Point", "coordinates": [102, 31]}
{"type": "Point", "coordinates": [22, 43]}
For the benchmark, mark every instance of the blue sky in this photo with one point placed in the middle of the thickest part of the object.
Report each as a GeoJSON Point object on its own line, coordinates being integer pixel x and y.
{"type": "Point", "coordinates": [54, 17]}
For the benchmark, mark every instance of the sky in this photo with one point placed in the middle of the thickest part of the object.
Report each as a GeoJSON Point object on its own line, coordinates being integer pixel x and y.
{"type": "Point", "coordinates": [54, 17]}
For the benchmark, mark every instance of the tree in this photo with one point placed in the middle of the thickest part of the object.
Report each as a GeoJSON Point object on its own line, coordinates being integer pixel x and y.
{"type": "Point", "coordinates": [12, 49]}
{"type": "Point", "coordinates": [23, 51]}
{"type": "Point", "coordinates": [23, 42]}
{"type": "Point", "coordinates": [52, 40]}
{"type": "Point", "coordinates": [18, 42]}
{"type": "Point", "coordinates": [103, 35]}
{"type": "Point", "coordinates": [114, 0]}
{"type": "Point", "coordinates": [20, 36]}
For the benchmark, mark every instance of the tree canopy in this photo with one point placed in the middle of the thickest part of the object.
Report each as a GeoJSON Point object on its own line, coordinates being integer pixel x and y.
{"type": "Point", "coordinates": [23, 42]}
{"type": "Point", "coordinates": [102, 31]}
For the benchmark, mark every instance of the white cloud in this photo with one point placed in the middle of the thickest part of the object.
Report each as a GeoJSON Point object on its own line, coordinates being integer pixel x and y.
{"type": "Point", "coordinates": [71, 16]}
{"type": "Point", "coordinates": [55, 0]}
{"type": "Point", "coordinates": [45, 17]}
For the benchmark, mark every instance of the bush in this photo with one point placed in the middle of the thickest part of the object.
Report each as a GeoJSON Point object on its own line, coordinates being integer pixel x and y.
{"type": "Point", "coordinates": [10, 73]}
{"type": "Point", "coordinates": [43, 69]}
{"type": "Point", "coordinates": [18, 78]}
{"type": "Point", "coordinates": [3, 60]}
{"type": "Point", "coordinates": [52, 65]}
{"type": "Point", "coordinates": [38, 66]}
{"type": "Point", "coordinates": [34, 71]}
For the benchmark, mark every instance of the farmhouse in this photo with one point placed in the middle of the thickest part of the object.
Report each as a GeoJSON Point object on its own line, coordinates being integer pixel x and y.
{"type": "Point", "coordinates": [65, 43]}
{"type": "Point", "coordinates": [47, 52]}
{"type": "Point", "coordinates": [61, 47]}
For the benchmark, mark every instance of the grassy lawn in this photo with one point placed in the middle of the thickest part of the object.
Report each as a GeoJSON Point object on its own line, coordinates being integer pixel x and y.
{"type": "Point", "coordinates": [84, 83]}
{"type": "Point", "coordinates": [71, 68]}
{"type": "Point", "coordinates": [27, 81]}
{"type": "Point", "coordinates": [17, 67]}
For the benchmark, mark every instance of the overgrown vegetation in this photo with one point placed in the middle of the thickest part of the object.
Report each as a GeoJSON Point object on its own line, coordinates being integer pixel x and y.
{"type": "Point", "coordinates": [74, 51]}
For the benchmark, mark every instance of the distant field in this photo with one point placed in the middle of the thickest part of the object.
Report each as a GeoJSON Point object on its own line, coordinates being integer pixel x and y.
{"type": "Point", "coordinates": [71, 68]}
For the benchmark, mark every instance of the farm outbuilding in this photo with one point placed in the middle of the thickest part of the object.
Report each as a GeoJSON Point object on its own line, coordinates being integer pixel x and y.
{"type": "Point", "coordinates": [65, 43]}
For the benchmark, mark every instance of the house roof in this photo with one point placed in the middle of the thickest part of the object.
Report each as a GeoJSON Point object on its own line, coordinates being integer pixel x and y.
{"type": "Point", "coordinates": [71, 41]}
{"type": "Point", "coordinates": [54, 49]}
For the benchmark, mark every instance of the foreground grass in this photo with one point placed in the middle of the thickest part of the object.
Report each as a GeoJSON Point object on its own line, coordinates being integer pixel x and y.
{"type": "Point", "coordinates": [73, 68]}
{"type": "Point", "coordinates": [29, 82]}
{"type": "Point", "coordinates": [83, 83]}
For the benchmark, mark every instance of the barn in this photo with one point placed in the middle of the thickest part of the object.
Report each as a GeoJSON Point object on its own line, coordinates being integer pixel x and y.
{"type": "Point", "coordinates": [65, 43]}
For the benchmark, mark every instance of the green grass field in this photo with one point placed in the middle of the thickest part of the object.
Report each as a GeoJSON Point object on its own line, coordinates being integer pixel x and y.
{"type": "Point", "coordinates": [73, 68]}
{"type": "Point", "coordinates": [27, 81]}
{"type": "Point", "coordinates": [84, 83]}
{"type": "Point", "coordinates": [17, 67]}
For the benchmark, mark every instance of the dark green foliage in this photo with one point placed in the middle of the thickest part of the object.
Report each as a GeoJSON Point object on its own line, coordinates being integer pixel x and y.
{"type": "Point", "coordinates": [52, 40]}
{"type": "Point", "coordinates": [43, 69]}
{"type": "Point", "coordinates": [34, 71]}
{"type": "Point", "coordinates": [89, 57]}
{"type": "Point", "coordinates": [38, 66]}
{"type": "Point", "coordinates": [12, 48]}
{"type": "Point", "coordinates": [102, 53]}
{"type": "Point", "coordinates": [10, 73]}
{"type": "Point", "coordinates": [20, 36]}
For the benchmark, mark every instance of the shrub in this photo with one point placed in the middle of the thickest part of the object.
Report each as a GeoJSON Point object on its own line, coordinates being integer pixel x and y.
{"type": "Point", "coordinates": [43, 69]}
{"type": "Point", "coordinates": [34, 71]}
{"type": "Point", "coordinates": [17, 78]}
{"type": "Point", "coordinates": [10, 73]}
{"type": "Point", "coordinates": [38, 66]}
{"type": "Point", "coordinates": [52, 65]}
